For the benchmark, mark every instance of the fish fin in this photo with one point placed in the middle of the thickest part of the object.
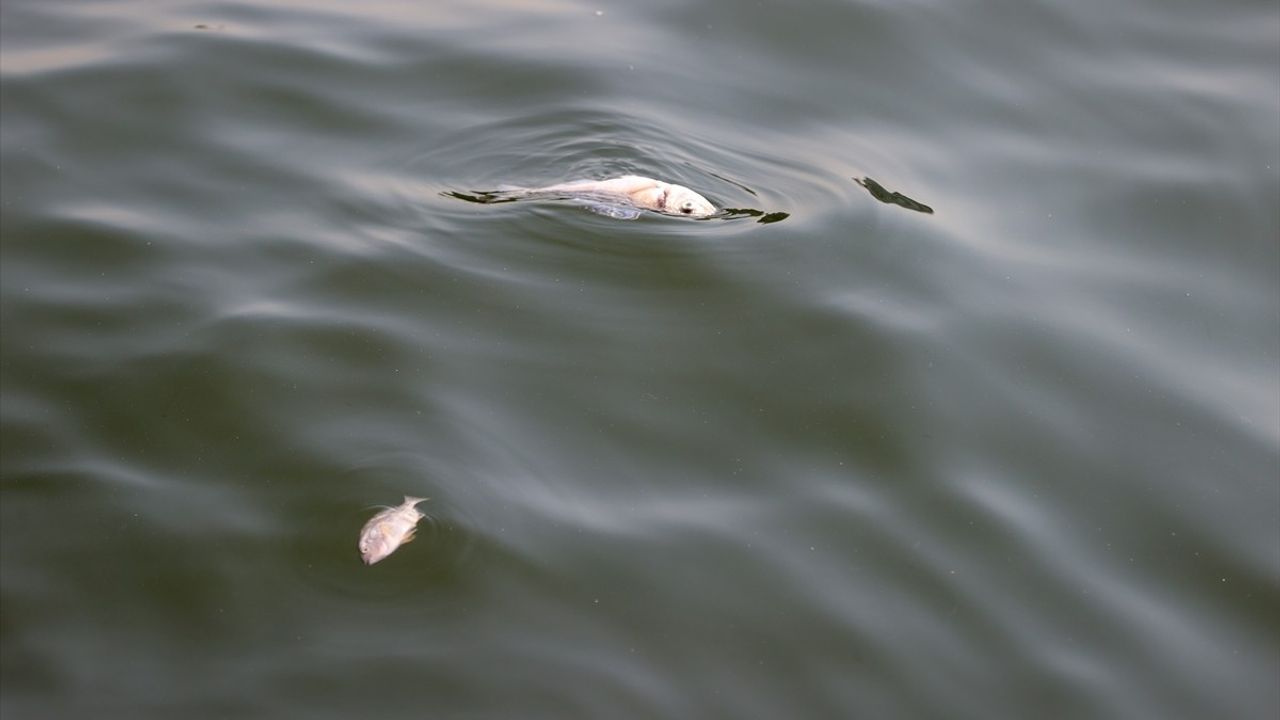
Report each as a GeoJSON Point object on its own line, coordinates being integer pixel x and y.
{"type": "Point", "coordinates": [411, 500]}
{"type": "Point", "coordinates": [408, 537]}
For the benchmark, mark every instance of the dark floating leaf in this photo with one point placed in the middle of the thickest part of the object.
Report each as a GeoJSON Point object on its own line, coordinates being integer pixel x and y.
{"type": "Point", "coordinates": [879, 192]}
{"type": "Point", "coordinates": [763, 217]}
{"type": "Point", "coordinates": [484, 197]}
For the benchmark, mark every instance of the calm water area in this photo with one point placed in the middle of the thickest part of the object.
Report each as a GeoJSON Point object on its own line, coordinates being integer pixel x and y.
{"type": "Point", "coordinates": [966, 405]}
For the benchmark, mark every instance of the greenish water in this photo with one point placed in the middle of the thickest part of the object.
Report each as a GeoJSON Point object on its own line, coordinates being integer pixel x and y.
{"type": "Point", "coordinates": [1015, 457]}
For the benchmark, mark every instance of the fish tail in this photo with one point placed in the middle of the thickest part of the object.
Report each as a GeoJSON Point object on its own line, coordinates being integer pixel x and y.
{"type": "Point", "coordinates": [411, 500]}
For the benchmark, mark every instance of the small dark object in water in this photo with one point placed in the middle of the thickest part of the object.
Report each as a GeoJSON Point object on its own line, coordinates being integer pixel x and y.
{"type": "Point", "coordinates": [763, 217]}
{"type": "Point", "coordinates": [879, 192]}
{"type": "Point", "coordinates": [484, 197]}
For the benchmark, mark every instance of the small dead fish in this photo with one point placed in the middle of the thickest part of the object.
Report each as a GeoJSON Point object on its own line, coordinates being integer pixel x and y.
{"type": "Point", "coordinates": [389, 529]}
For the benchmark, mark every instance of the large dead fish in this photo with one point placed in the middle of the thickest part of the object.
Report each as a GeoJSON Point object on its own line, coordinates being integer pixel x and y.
{"type": "Point", "coordinates": [389, 529]}
{"type": "Point", "coordinates": [621, 197]}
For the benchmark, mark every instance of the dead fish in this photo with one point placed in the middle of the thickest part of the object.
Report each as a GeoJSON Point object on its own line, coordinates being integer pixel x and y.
{"type": "Point", "coordinates": [642, 192]}
{"type": "Point", "coordinates": [389, 529]}
{"type": "Point", "coordinates": [632, 193]}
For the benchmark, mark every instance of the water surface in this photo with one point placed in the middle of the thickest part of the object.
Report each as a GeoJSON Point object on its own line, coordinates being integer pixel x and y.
{"type": "Point", "coordinates": [1014, 457]}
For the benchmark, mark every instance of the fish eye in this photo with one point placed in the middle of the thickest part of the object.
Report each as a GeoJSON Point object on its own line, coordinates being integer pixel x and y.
{"type": "Point", "coordinates": [686, 208]}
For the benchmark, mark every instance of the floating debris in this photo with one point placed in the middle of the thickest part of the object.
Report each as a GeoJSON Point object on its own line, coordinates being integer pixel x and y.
{"type": "Point", "coordinates": [389, 529]}
{"type": "Point", "coordinates": [761, 216]}
{"type": "Point", "coordinates": [879, 192]}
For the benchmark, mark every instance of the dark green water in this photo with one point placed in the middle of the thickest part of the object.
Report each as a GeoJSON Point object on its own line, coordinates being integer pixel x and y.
{"type": "Point", "coordinates": [1017, 457]}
